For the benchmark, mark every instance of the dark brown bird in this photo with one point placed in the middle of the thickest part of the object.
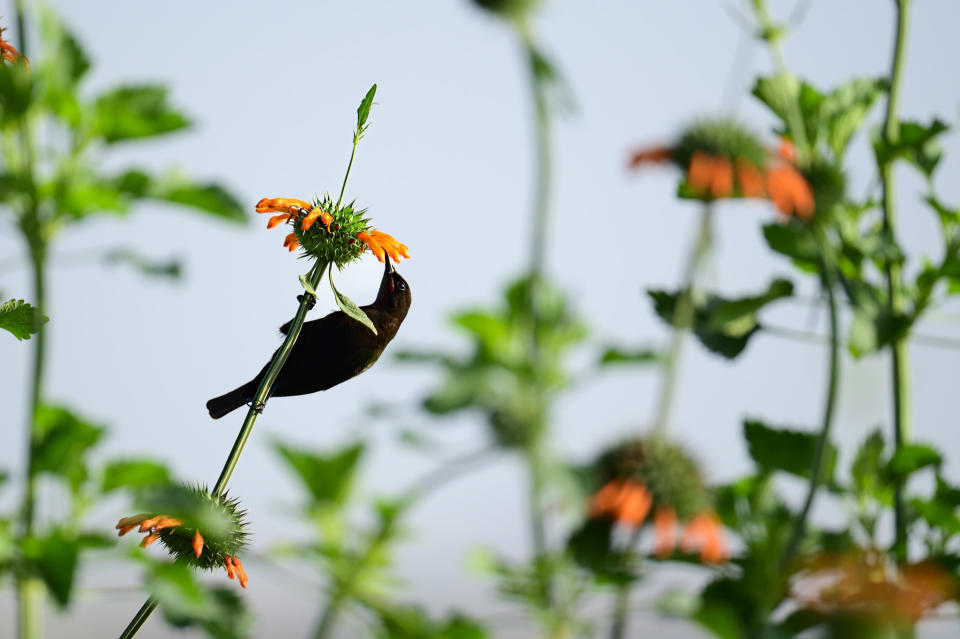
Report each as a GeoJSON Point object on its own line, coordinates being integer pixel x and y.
{"type": "Point", "coordinates": [332, 349]}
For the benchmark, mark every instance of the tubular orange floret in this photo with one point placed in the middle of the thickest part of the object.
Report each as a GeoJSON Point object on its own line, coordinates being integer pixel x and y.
{"type": "Point", "coordinates": [241, 573]}
{"type": "Point", "coordinates": [705, 534]}
{"type": "Point", "coordinates": [372, 244]}
{"type": "Point", "coordinates": [651, 155]}
{"type": "Point", "coordinates": [197, 544]}
{"type": "Point", "coordinates": [634, 505]}
{"type": "Point", "coordinates": [700, 171]}
{"type": "Point", "coordinates": [291, 242]}
{"type": "Point", "coordinates": [790, 192]}
{"type": "Point", "coordinates": [149, 539]}
{"type": "Point", "coordinates": [750, 178]}
{"type": "Point", "coordinates": [397, 249]}
{"type": "Point", "coordinates": [721, 180]}
{"type": "Point", "coordinates": [665, 531]}
{"type": "Point", "coordinates": [787, 150]}
{"type": "Point", "coordinates": [276, 220]}
{"type": "Point", "coordinates": [228, 564]}
{"type": "Point", "coordinates": [126, 524]}
{"type": "Point", "coordinates": [311, 217]}
{"type": "Point", "coordinates": [282, 205]}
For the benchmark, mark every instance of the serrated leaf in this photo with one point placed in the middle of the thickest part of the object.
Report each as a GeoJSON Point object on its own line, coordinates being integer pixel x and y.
{"type": "Point", "coordinates": [176, 188]}
{"type": "Point", "coordinates": [917, 144]}
{"type": "Point", "coordinates": [133, 112]}
{"type": "Point", "coordinates": [910, 458]}
{"type": "Point", "coordinates": [21, 319]}
{"type": "Point", "coordinates": [61, 443]}
{"type": "Point", "coordinates": [363, 111]}
{"type": "Point", "coordinates": [54, 557]}
{"type": "Point", "coordinates": [844, 109]}
{"type": "Point", "coordinates": [349, 307]}
{"type": "Point", "coordinates": [786, 450]}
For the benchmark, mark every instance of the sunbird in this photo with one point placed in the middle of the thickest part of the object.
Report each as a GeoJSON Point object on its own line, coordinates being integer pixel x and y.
{"type": "Point", "coordinates": [332, 349]}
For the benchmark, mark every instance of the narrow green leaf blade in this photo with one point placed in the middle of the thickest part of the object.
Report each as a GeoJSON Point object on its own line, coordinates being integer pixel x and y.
{"type": "Point", "coordinates": [350, 307]}
{"type": "Point", "coordinates": [132, 112]}
{"type": "Point", "coordinates": [21, 319]}
{"type": "Point", "coordinates": [363, 111]}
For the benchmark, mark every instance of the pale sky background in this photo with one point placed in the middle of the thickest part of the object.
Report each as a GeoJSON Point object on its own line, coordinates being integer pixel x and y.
{"type": "Point", "coordinates": [446, 167]}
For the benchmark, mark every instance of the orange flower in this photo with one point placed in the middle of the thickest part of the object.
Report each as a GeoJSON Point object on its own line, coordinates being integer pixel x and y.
{"type": "Point", "coordinates": [626, 502]}
{"type": "Point", "coordinates": [9, 53]}
{"type": "Point", "coordinates": [790, 192]}
{"type": "Point", "coordinates": [379, 242]}
{"type": "Point", "coordinates": [867, 583]}
{"type": "Point", "coordinates": [651, 155]}
{"type": "Point", "coordinates": [665, 531]}
{"type": "Point", "coordinates": [750, 178]}
{"type": "Point", "coordinates": [704, 533]}
{"type": "Point", "coordinates": [235, 570]}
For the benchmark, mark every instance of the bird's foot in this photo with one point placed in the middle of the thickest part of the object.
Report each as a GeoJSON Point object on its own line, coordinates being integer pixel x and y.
{"type": "Point", "coordinates": [311, 300]}
{"type": "Point", "coordinates": [257, 408]}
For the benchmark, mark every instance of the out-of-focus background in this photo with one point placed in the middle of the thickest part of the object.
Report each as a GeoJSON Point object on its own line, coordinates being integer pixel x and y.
{"type": "Point", "coordinates": [446, 167]}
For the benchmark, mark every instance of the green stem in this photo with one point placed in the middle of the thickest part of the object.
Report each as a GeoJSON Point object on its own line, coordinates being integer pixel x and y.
{"type": "Point", "coordinates": [621, 606]}
{"type": "Point", "coordinates": [682, 320]}
{"type": "Point", "coordinates": [256, 407]}
{"type": "Point", "coordinates": [829, 280]}
{"type": "Point", "coordinates": [346, 176]}
{"type": "Point", "coordinates": [329, 617]}
{"type": "Point", "coordinates": [897, 302]}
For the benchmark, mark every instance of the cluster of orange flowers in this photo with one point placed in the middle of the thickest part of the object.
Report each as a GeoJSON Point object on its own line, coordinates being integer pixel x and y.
{"type": "Point", "coordinates": [292, 210]}
{"type": "Point", "coordinates": [153, 524]}
{"type": "Point", "coordinates": [719, 177]}
{"type": "Point", "coordinates": [629, 503]}
{"type": "Point", "coordinates": [866, 583]}
{"type": "Point", "coordinates": [8, 52]}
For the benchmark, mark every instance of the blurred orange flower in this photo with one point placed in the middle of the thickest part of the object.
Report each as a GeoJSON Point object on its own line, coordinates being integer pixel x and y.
{"type": "Point", "coordinates": [867, 583]}
{"type": "Point", "coordinates": [9, 53]}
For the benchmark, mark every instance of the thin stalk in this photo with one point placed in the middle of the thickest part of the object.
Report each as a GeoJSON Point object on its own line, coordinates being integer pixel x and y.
{"type": "Point", "coordinates": [828, 276]}
{"type": "Point", "coordinates": [899, 358]}
{"type": "Point", "coordinates": [256, 407]}
{"type": "Point", "coordinates": [682, 320]}
{"type": "Point", "coordinates": [621, 605]}
{"type": "Point", "coordinates": [346, 176]}
{"type": "Point", "coordinates": [329, 617]}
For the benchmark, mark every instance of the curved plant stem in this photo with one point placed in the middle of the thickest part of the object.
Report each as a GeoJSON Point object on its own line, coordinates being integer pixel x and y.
{"type": "Point", "coordinates": [682, 319]}
{"type": "Point", "coordinates": [900, 364]}
{"type": "Point", "coordinates": [346, 176]}
{"type": "Point", "coordinates": [256, 407]}
{"type": "Point", "coordinates": [828, 276]}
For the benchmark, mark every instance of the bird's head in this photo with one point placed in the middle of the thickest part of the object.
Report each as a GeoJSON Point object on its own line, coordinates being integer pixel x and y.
{"type": "Point", "coordinates": [394, 293]}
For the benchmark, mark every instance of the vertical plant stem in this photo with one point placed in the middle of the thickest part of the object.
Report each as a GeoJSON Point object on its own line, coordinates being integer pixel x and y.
{"type": "Point", "coordinates": [899, 359]}
{"type": "Point", "coordinates": [828, 276]}
{"type": "Point", "coordinates": [683, 315]}
{"type": "Point", "coordinates": [256, 407]}
{"type": "Point", "coordinates": [346, 176]}
{"type": "Point", "coordinates": [329, 617]}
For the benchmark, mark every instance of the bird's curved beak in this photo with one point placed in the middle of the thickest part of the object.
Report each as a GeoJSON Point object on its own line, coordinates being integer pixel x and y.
{"type": "Point", "coordinates": [387, 265]}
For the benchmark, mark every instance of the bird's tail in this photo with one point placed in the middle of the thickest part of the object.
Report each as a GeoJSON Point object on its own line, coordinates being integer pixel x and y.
{"type": "Point", "coordinates": [220, 406]}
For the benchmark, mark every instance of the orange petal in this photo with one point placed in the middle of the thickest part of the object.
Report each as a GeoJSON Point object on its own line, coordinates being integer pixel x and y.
{"type": "Point", "coordinates": [695, 533]}
{"type": "Point", "coordinates": [127, 524]}
{"type": "Point", "coordinates": [278, 219]}
{"type": "Point", "coordinates": [652, 155]}
{"type": "Point", "coordinates": [282, 205]}
{"type": "Point", "coordinates": [372, 244]}
{"type": "Point", "coordinates": [241, 573]}
{"type": "Point", "coordinates": [700, 171]}
{"type": "Point", "coordinates": [750, 178]}
{"type": "Point", "coordinates": [291, 242]}
{"type": "Point", "coordinates": [665, 531]}
{"type": "Point", "coordinates": [149, 539]}
{"type": "Point", "coordinates": [228, 564]}
{"type": "Point", "coordinates": [634, 505]}
{"type": "Point", "coordinates": [790, 192]}
{"type": "Point", "coordinates": [167, 522]}
{"type": "Point", "coordinates": [786, 150]}
{"type": "Point", "coordinates": [604, 500]}
{"type": "Point", "coordinates": [197, 543]}
{"type": "Point", "coordinates": [721, 182]}
{"type": "Point", "coordinates": [387, 243]}
{"type": "Point", "coordinates": [149, 523]}
{"type": "Point", "coordinates": [311, 218]}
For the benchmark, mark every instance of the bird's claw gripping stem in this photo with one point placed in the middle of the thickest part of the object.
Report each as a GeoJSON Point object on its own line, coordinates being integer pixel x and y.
{"type": "Point", "coordinates": [311, 300]}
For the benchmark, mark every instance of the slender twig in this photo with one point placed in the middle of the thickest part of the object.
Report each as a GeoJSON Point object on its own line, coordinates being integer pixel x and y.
{"type": "Point", "coordinates": [899, 361]}
{"type": "Point", "coordinates": [829, 281]}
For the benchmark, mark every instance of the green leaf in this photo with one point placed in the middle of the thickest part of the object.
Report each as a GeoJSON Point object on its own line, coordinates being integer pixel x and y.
{"type": "Point", "coordinates": [61, 443]}
{"type": "Point", "coordinates": [916, 144]}
{"type": "Point", "coordinates": [614, 355]}
{"type": "Point", "coordinates": [21, 319]}
{"type": "Point", "coordinates": [350, 307]}
{"type": "Point", "coordinates": [54, 557]}
{"type": "Point", "coordinates": [208, 198]}
{"type": "Point", "coordinates": [363, 111]}
{"type": "Point", "coordinates": [133, 112]}
{"type": "Point", "coordinates": [16, 91]}
{"type": "Point", "coordinates": [591, 547]}
{"type": "Point", "coordinates": [186, 603]}
{"type": "Point", "coordinates": [794, 240]}
{"type": "Point", "coordinates": [328, 478]}
{"type": "Point", "coordinates": [782, 91]}
{"type": "Point", "coordinates": [171, 269]}
{"type": "Point", "coordinates": [724, 326]}
{"type": "Point", "coordinates": [307, 286]}
{"type": "Point", "coordinates": [844, 109]}
{"type": "Point", "coordinates": [133, 474]}
{"type": "Point", "coordinates": [867, 464]}
{"type": "Point", "coordinates": [910, 458]}
{"type": "Point", "coordinates": [789, 451]}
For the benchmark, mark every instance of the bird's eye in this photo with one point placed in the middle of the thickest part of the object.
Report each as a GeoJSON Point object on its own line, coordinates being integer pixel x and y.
{"type": "Point", "coordinates": [401, 285]}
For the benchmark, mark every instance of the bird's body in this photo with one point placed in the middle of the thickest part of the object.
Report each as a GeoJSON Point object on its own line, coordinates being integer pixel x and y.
{"type": "Point", "coordinates": [330, 350]}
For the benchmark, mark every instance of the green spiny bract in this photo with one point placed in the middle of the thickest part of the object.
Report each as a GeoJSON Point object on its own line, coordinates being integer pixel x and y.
{"type": "Point", "coordinates": [339, 245]}
{"type": "Point", "coordinates": [665, 469]}
{"type": "Point", "coordinates": [724, 138]}
{"type": "Point", "coordinates": [221, 523]}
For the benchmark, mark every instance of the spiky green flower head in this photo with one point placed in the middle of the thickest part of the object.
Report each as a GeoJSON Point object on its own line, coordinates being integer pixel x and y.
{"type": "Point", "coordinates": [665, 469]}
{"type": "Point", "coordinates": [720, 138]}
{"type": "Point", "coordinates": [189, 510]}
{"type": "Point", "coordinates": [336, 241]}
